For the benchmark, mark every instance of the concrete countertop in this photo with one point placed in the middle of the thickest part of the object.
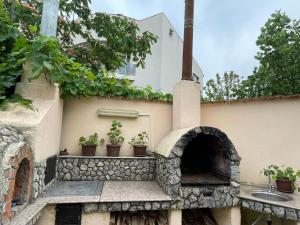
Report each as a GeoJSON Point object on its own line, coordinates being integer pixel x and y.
{"type": "Point", "coordinates": [105, 191]}
{"type": "Point", "coordinates": [288, 210]}
{"type": "Point", "coordinates": [246, 192]}
{"type": "Point", "coordinates": [130, 191]}
{"type": "Point", "coordinates": [92, 192]}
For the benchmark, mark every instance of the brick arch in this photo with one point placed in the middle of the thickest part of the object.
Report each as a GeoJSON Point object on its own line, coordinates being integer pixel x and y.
{"type": "Point", "coordinates": [10, 173]}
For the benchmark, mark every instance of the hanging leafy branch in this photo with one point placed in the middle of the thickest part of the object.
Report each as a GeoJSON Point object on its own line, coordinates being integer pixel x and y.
{"type": "Point", "coordinates": [10, 71]}
{"type": "Point", "coordinates": [109, 39]}
{"type": "Point", "coordinates": [73, 78]}
{"type": "Point", "coordinates": [57, 59]}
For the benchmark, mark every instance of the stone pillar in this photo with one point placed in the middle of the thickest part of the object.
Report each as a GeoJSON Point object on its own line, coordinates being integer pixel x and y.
{"type": "Point", "coordinates": [228, 216]}
{"type": "Point", "coordinates": [186, 104]}
{"type": "Point", "coordinates": [48, 216]}
{"type": "Point", "coordinates": [95, 218]}
{"type": "Point", "coordinates": [175, 217]}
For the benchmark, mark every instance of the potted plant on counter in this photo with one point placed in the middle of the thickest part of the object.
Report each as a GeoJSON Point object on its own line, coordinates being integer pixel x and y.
{"type": "Point", "coordinates": [139, 144]}
{"type": "Point", "coordinates": [89, 144]}
{"type": "Point", "coordinates": [115, 138]}
{"type": "Point", "coordinates": [285, 177]}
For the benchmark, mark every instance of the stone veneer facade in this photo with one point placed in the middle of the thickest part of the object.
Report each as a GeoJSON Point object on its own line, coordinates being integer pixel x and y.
{"type": "Point", "coordinates": [279, 211]}
{"type": "Point", "coordinates": [168, 175]}
{"type": "Point", "coordinates": [128, 206]}
{"type": "Point", "coordinates": [39, 186]}
{"type": "Point", "coordinates": [13, 149]}
{"type": "Point", "coordinates": [106, 168]}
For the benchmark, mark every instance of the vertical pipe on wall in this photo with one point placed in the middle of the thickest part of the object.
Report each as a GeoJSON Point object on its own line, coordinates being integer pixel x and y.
{"type": "Point", "coordinates": [187, 63]}
{"type": "Point", "coordinates": [49, 18]}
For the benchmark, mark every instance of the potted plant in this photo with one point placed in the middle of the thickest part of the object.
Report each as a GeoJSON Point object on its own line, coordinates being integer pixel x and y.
{"type": "Point", "coordinates": [285, 177]}
{"type": "Point", "coordinates": [139, 144]}
{"type": "Point", "coordinates": [115, 138]}
{"type": "Point", "coordinates": [89, 144]}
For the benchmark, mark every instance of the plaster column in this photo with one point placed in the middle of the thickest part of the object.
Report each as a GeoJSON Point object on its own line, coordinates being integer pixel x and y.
{"type": "Point", "coordinates": [186, 104]}
{"type": "Point", "coordinates": [228, 216]}
{"type": "Point", "coordinates": [36, 89]}
{"type": "Point", "coordinates": [95, 219]}
{"type": "Point", "coordinates": [175, 217]}
{"type": "Point", "coordinates": [48, 216]}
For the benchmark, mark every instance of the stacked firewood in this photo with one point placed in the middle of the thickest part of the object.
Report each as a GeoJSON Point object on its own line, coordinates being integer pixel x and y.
{"type": "Point", "coordinates": [198, 217]}
{"type": "Point", "coordinates": [139, 218]}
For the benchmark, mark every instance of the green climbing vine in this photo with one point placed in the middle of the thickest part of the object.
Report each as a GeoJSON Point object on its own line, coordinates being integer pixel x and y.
{"type": "Point", "coordinates": [47, 59]}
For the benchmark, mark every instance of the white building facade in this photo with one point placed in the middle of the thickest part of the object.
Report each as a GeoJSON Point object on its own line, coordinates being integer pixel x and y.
{"type": "Point", "coordinates": [163, 68]}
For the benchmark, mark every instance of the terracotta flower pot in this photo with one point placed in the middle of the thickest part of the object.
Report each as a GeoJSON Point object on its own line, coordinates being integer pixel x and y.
{"type": "Point", "coordinates": [139, 150]}
{"type": "Point", "coordinates": [284, 185]}
{"type": "Point", "coordinates": [89, 150]}
{"type": "Point", "coordinates": [113, 150]}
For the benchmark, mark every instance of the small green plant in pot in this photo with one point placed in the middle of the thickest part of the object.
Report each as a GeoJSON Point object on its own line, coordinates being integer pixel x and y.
{"type": "Point", "coordinates": [89, 144]}
{"type": "Point", "coordinates": [139, 144]}
{"type": "Point", "coordinates": [115, 138]}
{"type": "Point", "coordinates": [285, 177]}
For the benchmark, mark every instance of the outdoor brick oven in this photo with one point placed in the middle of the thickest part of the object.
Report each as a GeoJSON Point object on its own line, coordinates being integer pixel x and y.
{"type": "Point", "coordinates": [17, 170]}
{"type": "Point", "coordinates": [196, 165]}
{"type": "Point", "coordinates": [200, 167]}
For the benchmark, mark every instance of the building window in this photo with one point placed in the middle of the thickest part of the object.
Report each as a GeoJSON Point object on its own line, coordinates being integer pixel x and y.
{"type": "Point", "coordinates": [128, 69]}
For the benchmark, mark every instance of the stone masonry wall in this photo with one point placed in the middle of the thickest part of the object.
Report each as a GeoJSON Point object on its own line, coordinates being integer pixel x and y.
{"type": "Point", "coordinates": [209, 197]}
{"type": "Point", "coordinates": [39, 186]}
{"type": "Point", "coordinates": [127, 206]}
{"type": "Point", "coordinates": [281, 212]}
{"type": "Point", "coordinates": [10, 142]}
{"type": "Point", "coordinates": [169, 176]}
{"type": "Point", "coordinates": [106, 168]}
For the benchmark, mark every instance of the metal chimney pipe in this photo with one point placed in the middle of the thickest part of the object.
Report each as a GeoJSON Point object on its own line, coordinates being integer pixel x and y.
{"type": "Point", "coordinates": [187, 62]}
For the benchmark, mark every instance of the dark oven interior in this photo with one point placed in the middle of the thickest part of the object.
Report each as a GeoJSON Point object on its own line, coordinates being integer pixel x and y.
{"type": "Point", "coordinates": [205, 161]}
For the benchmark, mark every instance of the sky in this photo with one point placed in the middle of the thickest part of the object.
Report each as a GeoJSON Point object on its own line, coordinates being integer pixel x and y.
{"type": "Point", "coordinates": [225, 31]}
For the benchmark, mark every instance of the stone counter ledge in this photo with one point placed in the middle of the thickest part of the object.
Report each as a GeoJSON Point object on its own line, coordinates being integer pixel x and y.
{"type": "Point", "coordinates": [288, 210]}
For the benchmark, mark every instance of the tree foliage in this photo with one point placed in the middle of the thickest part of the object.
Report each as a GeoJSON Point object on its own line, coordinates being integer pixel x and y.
{"type": "Point", "coordinates": [278, 72]}
{"type": "Point", "coordinates": [279, 58]}
{"type": "Point", "coordinates": [48, 55]}
{"type": "Point", "coordinates": [110, 39]}
{"type": "Point", "coordinates": [223, 88]}
{"type": "Point", "coordinates": [9, 72]}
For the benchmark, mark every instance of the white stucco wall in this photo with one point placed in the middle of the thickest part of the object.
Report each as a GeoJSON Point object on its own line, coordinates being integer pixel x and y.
{"type": "Point", "coordinates": [41, 127]}
{"type": "Point", "coordinates": [167, 53]}
{"type": "Point", "coordinates": [163, 68]}
{"type": "Point", "coordinates": [151, 74]}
